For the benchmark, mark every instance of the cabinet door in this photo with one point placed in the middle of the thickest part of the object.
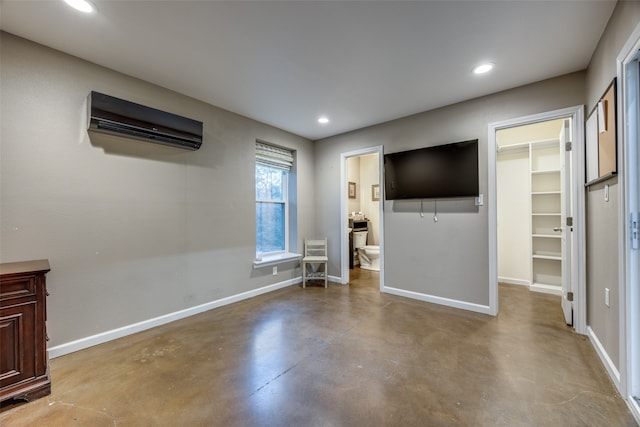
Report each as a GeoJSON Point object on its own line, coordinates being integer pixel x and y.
{"type": "Point", "coordinates": [17, 361]}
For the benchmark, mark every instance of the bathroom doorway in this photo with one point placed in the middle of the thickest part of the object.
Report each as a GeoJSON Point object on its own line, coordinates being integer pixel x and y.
{"type": "Point", "coordinates": [361, 210]}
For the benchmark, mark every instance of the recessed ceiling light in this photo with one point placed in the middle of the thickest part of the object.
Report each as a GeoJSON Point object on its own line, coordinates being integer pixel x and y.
{"type": "Point", "coordinates": [323, 120]}
{"type": "Point", "coordinates": [483, 68]}
{"type": "Point", "coordinates": [81, 5]}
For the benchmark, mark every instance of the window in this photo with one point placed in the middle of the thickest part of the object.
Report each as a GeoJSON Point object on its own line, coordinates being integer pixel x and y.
{"type": "Point", "coordinates": [273, 165]}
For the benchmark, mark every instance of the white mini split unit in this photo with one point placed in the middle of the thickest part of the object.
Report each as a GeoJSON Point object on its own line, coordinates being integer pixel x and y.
{"type": "Point", "coordinates": [117, 117]}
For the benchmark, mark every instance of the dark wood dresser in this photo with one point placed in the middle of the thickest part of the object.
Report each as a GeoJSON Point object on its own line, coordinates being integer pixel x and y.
{"type": "Point", "coordinates": [24, 362]}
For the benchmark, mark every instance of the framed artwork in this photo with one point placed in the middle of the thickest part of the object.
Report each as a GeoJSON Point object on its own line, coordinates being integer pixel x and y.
{"type": "Point", "coordinates": [352, 190]}
{"type": "Point", "coordinates": [375, 192]}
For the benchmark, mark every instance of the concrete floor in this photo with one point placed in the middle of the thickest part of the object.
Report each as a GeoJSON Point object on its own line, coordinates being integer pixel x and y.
{"type": "Point", "coordinates": [342, 356]}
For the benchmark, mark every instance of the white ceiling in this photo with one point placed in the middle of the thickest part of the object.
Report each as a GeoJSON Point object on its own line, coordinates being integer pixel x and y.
{"type": "Point", "coordinates": [358, 62]}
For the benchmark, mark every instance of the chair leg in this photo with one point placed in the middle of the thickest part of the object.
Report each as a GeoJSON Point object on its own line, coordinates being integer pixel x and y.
{"type": "Point", "coordinates": [304, 275]}
{"type": "Point", "coordinates": [325, 275]}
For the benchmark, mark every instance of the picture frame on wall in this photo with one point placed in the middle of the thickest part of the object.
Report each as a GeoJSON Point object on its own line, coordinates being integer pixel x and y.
{"type": "Point", "coordinates": [352, 190]}
{"type": "Point", "coordinates": [375, 192]}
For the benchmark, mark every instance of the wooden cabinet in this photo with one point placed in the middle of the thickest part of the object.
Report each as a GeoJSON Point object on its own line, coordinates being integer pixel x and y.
{"type": "Point", "coordinates": [24, 362]}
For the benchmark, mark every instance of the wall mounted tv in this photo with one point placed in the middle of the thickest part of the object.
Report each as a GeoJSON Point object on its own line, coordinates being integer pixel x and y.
{"type": "Point", "coordinates": [442, 171]}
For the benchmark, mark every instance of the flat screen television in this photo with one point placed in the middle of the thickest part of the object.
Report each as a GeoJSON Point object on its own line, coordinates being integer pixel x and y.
{"type": "Point", "coordinates": [442, 171]}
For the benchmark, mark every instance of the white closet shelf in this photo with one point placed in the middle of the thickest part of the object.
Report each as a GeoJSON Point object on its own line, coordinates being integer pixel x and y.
{"type": "Point", "coordinates": [545, 213]}
{"type": "Point", "coordinates": [547, 236]}
{"type": "Point", "coordinates": [525, 145]}
{"type": "Point", "coordinates": [542, 193]}
{"type": "Point", "coordinates": [546, 171]}
{"type": "Point", "coordinates": [547, 255]}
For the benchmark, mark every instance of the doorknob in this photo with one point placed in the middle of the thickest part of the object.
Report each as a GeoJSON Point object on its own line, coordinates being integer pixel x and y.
{"type": "Point", "coordinates": [557, 228]}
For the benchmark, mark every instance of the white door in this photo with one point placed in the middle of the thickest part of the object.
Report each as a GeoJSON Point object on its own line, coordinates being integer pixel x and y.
{"type": "Point", "coordinates": [565, 225]}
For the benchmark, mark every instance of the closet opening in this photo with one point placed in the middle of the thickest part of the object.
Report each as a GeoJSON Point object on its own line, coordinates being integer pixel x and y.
{"type": "Point", "coordinates": [537, 220]}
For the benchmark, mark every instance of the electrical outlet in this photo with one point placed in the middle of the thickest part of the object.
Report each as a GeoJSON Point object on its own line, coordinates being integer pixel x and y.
{"type": "Point", "coordinates": [607, 300]}
{"type": "Point", "coordinates": [480, 200]}
{"type": "Point", "coordinates": [275, 270]}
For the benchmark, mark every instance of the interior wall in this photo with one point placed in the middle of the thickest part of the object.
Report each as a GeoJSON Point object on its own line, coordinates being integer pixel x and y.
{"type": "Point", "coordinates": [364, 172]}
{"type": "Point", "coordinates": [423, 256]}
{"type": "Point", "coordinates": [513, 217]}
{"type": "Point", "coordinates": [602, 237]}
{"type": "Point", "coordinates": [370, 175]}
{"type": "Point", "coordinates": [602, 267]}
{"type": "Point", "coordinates": [139, 231]}
{"type": "Point", "coordinates": [353, 175]}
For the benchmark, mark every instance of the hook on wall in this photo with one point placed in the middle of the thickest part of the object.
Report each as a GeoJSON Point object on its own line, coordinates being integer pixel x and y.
{"type": "Point", "coordinates": [435, 211]}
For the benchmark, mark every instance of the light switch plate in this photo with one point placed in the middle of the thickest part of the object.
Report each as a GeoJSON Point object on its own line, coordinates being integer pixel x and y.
{"type": "Point", "coordinates": [480, 200]}
{"type": "Point", "coordinates": [606, 193]}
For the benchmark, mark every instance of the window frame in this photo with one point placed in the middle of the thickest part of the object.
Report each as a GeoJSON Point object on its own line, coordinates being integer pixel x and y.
{"type": "Point", "coordinates": [284, 201]}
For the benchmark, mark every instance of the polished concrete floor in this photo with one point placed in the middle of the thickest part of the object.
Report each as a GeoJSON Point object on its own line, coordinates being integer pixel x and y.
{"type": "Point", "coordinates": [342, 356]}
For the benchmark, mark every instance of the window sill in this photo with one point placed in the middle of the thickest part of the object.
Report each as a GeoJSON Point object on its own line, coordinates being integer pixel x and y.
{"type": "Point", "coordinates": [269, 260]}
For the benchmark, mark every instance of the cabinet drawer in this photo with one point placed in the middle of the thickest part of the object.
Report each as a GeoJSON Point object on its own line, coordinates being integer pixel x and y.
{"type": "Point", "coordinates": [17, 288]}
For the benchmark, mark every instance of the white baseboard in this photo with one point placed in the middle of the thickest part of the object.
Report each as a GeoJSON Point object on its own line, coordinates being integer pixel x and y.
{"type": "Point", "coordinates": [485, 309]}
{"type": "Point", "coordinates": [512, 281]}
{"type": "Point", "coordinates": [334, 279]}
{"type": "Point", "coordinates": [546, 289]}
{"type": "Point", "coordinates": [604, 357]}
{"type": "Point", "coordinates": [82, 343]}
{"type": "Point", "coordinates": [634, 407]}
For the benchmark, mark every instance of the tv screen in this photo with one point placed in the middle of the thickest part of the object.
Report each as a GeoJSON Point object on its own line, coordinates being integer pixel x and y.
{"type": "Point", "coordinates": [443, 171]}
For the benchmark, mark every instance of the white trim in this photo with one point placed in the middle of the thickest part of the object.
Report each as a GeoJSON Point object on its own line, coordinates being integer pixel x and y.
{"type": "Point", "coordinates": [578, 209]}
{"type": "Point", "coordinates": [512, 281]}
{"type": "Point", "coordinates": [103, 337]}
{"type": "Point", "coordinates": [546, 289]}
{"type": "Point", "coordinates": [628, 192]}
{"type": "Point", "coordinates": [604, 358]}
{"type": "Point", "coordinates": [344, 243]}
{"type": "Point", "coordinates": [275, 259]}
{"type": "Point", "coordinates": [634, 407]}
{"type": "Point", "coordinates": [492, 212]}
{"type": "Point", "coordinates": [463, 305]}
{"type": "Point", "coordinates": [334, 279]}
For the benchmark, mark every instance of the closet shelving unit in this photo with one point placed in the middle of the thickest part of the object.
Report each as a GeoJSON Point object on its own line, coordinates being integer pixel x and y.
{"type": "Point", "coordinates": [546, 213]}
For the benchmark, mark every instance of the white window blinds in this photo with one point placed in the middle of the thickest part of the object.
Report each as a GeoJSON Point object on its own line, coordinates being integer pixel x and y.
{"type": "Point", "coordinates": [275, 157]}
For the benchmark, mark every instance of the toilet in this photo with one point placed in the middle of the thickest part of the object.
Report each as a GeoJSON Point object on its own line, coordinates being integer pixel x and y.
{"type": "Point", "coordinates": [369, 255]}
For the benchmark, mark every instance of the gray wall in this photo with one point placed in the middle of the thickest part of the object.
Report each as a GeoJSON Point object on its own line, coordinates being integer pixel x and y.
{"type": "Point", "coordinates": [449, 258]}
{"type": "Point", "coordinates": [602, 217]}
{"type": "Point", "coordinates": [134, 233]}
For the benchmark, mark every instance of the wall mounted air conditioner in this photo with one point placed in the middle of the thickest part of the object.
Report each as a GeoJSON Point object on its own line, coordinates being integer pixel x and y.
{"type": "Point", "coordinates": [126, 119]}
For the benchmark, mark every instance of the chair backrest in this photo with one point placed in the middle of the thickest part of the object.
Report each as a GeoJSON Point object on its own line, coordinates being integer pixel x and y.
{"type": "Point", "coordinates": [314, 247]}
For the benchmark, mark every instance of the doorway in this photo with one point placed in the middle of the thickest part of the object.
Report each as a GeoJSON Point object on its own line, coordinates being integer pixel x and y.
{"type": "Point", "coordinates": [361, 204]}
{"type": "Point", "coordinates": [532, 201]}
{"type": "Point", "coordinates": [629, 70]}
{"type": "Point", "coordinates": [535, 222]}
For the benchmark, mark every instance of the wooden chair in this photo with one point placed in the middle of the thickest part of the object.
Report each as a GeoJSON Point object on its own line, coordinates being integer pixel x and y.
{"type": "Point", "coordinates": [315, 255]}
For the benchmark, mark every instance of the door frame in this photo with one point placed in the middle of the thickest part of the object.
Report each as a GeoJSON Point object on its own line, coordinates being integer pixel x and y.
{"type": "Point", "coordinates": [578, 271]}
{"type": "Point", "coordinates": [344, 235]}
{"type": "Point", "coordinates": [628, 73]}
